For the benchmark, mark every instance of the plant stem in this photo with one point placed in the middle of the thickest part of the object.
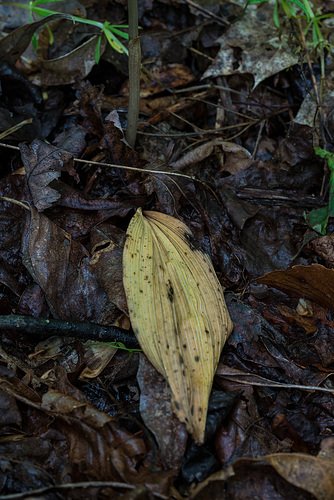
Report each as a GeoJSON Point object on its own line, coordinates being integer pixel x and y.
{"type": "Point", "coordinates": [134, 73]}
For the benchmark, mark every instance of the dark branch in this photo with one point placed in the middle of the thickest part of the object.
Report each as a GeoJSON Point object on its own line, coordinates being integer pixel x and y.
{"type": "Point", "coordinates": [44, 328]}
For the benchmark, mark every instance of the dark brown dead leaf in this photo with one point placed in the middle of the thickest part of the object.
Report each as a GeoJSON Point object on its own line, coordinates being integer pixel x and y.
{"type": "Point", "coordinates": [24, 475]}
{"type": "Point", "coordinates": [232, 157]}
{"type": "Point", "coordinates": [109, 207]}
{"type": "Point", "coordinates": [165, 77]}
{"type": "Point", "coordinates": [313, 474]}
{"type": "Point", "coordinates": [10, 414]}
{"type": "Point", "coordinates": [60, 265]}
{"type": "Point", "coordinates": [291, 315]}
{"type": "Point", "coordinates": [157, 413]}
{"type": "Point", "coordinates": [43, 163]}
{"type": "Point", "coordinates": [297, 146]}
{"type": "Point", "coordinates": [7, 279]}
{"type": "Point", "coordinates": [89, 444]}
{"type": "Point", "coordinates": [323, 343]}
{"type": "Point", "coordinates": [283, 429]}
{"type": "Point", "coordinates": [72, 140]}
{"type": "Point", "coordinates": [106, 452]}
{"type": "Point", "coordinates": [73, 66]}
{"type": "Point", "coordinates": [314, 282]}
{"type": "Point", "coordinates": [246, 480]}
{"type": "Point", "coordinates": [12, 224]}
{"type": "Point", "coordinates": [107, 262]}
{"type": "Point", "coordinates": [324, 247]}
{"type": "Point", "coordinates": [14, 44]}
{"type": "Point", "coordinates": [89, 107]}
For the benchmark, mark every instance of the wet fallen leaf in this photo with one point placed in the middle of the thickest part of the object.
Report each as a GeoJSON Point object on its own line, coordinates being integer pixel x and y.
{"type": "Point", "coordinates": [74, 65]}
{"type": "Point", "coordinates": [265, 51]}
{"type": "Point", "coordinates": [313, 474]}
{"type": "Point", "coordinates": [314, 282]}
{"type": "Point", "coordinates": [60, 265]}
{"type": "Point", "coordinates": [177, 310]}
{"type": "Point", "coordinates": [44, 163]}
{"type": "Point", "coordinates": [169, 76]}
{"type": "Point", "coordinates": [157, 414]}
{"type": "Point", "coordinates": [16, 42]}
{"type": "Point", "coordinates": [107, 249]}
{"type": "Point", "coordinates": [238, 158]}
{"type": "Point", "coordinates": [324, 247]}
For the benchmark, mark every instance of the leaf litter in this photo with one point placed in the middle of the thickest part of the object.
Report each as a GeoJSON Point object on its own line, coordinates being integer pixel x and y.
{"type": "Point", "coordinates": [217, 104]}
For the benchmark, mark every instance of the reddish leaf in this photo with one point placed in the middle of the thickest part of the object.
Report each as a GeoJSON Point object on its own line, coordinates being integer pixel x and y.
{"type": "Point", "coordinates": [313, 282]}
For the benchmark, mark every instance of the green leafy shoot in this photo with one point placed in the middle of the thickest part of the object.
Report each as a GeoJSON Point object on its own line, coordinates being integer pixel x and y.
{"type": "Point", "coordinates": [290, 9]}
{"type": "Point", "coordinates": [110, 31]}
{"type": "Point", "coordinates": [116, 345]}
{"type": "Point", "coordinates": [318, 219]}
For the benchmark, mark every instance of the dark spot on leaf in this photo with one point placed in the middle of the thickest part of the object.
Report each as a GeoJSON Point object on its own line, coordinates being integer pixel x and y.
{"type": "Point", "coordinates": [181, 360]}
{"type": "Point", "coordinates": [184, 346]}
{"type": "Point", "coordinates": [170, 291]}
{"type": "Point", "coordinates": [192, 410]}
{"type": "Point", "coordinates": [197, 359]}
{"type": "Point", "coordinates": [176, 404]}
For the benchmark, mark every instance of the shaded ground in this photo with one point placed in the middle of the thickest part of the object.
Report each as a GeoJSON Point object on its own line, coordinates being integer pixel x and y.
{"type": "Point", "coordinates": [217, 104]}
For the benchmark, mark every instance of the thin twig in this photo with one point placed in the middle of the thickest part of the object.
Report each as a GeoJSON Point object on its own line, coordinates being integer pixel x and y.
{"type": "Point", "coordinates": [72, 486]}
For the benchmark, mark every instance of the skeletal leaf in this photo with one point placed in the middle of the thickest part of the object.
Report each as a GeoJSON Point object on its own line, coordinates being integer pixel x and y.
{"type": "Point", "coordinates": [177, 310]}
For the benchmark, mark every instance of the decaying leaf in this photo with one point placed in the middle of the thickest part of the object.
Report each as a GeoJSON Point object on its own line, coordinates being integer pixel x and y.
{"type": "Point", "coordinates": [177, 310]}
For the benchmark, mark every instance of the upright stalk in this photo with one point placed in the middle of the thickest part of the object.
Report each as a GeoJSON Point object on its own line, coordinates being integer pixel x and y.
{"type": "Point", "coordinates": [134, 73]}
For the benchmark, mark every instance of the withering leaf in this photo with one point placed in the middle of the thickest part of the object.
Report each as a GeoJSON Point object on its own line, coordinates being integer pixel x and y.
{"type": "Point", "coordinates": [44, 163]}
{"type": "Point", "coordinates": [313, 474]}
{"type": "Point", "coordinates": [74, 65]}
{"type": "Point", "coordinates": [232, 157]}
{"type": "Point", "coordinates": [105, 448]}
{"type": "Point", "coordinates": [14, 44]}
{"type": "Point", "coordinates": [177, 310]}
{"type": "Point", "coordinates": [264, 50]}
{"type": "Point", "coordinates": [81, 441]}
{"type": "Point", "coordinates": [314, 282]}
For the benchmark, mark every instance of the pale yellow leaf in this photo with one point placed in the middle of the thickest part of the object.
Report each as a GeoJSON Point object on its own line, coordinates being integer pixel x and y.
{"type": "Point", "coordinates": [177, 310]}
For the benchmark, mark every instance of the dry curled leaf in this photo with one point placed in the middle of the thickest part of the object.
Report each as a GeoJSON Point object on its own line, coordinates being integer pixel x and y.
{"type": "Point", "coordinates": [177, 310]}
